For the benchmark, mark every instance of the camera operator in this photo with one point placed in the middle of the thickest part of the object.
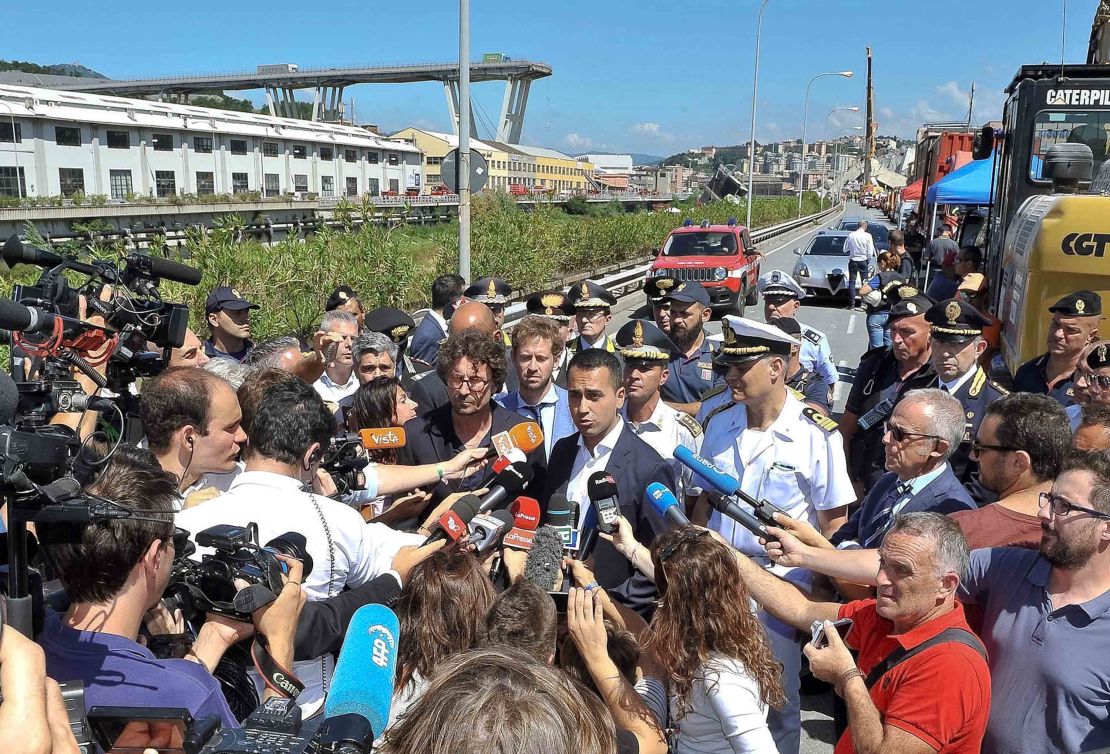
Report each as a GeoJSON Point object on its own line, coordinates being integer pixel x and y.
{"type": "Point", "coordinates": [192, 422]}
{"type": "Point", "coordinates": [288, 433]}
{"type": "Point", "coordinates": [113, 573]}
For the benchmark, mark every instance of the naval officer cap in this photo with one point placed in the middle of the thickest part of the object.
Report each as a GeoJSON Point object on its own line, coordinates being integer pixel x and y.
{"type": "Point", "coordinates": [553, 304]}
{"type": "Point", "coordinates": [745, 339]}
{"type": "Point", "coordinates": [907, 301]}
{"type": "Point", "coordinates": [489, 291]}
{"type": "Point", "coordinates": [658, 287]}
{"type": "Point", "coordinates": [687, 292]}
{"type": "Point", "coordinates": [779, 284]}
{"type": "Point", "coordinates": [390, 322]}
{"type": "Point", "coordinates": [955, 321]}
{"type": "Point", "coordinates": [640, 340]}
{"type": "Point", "coordinates": [590, 295]}
{"type": "Point", "coordinates": [1078, 304]}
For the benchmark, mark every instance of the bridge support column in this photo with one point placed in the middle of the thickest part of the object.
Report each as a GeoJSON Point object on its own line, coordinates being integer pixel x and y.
{"type": "Point", "coordinates": [271, 96]}
{"type": "Point", "coordinates": [511, 122]}
{"type": "Point", "coordinates": [451, 90]}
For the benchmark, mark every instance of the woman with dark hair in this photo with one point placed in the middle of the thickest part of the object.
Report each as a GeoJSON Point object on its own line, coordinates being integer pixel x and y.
{"type": "Point", "coordinates": [442, 610]}
{"type": "Point", "coordinates": [378, 404]}
{"type": "Point", "coordinates": [714, 650]}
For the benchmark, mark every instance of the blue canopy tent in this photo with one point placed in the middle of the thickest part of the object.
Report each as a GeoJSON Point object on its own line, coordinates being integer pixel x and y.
{"type": "Point", "coordinates": [971, 184]}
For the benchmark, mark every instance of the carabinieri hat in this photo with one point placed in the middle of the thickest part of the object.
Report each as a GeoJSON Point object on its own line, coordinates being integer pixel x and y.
{"type": "Point", "coordinates": [489, 291]}
{"type": "Point", "coordinates": [644, 341]}
{"type": "Point", "coordinates": [1079, 304]}
{"type": "Point", "coordinates": [390, 322]}
{"type": "Point", "coordinates": [553, 304]}
{"type": "Point", "coordinates": [746, 339]}
{"type": "Point", "coordinates": [588, 294]}
{"type": "Point", "coordinates": [955, 321]}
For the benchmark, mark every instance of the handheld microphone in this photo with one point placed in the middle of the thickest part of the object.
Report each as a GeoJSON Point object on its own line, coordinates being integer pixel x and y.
{"type": "Point", "coordinates": [452, 524]}
{"type": "Point", "coordinates": [545, 561]}
{"type": "Point", "coordinates": [666, 505]}
{"type": "Point", "coordinates": [527, 436]}
{"type": "Point", "coordinates": [764, 509]}
{"type": "Point", "coordinates": [486, 530]}
{"type": "Point", "coordinates": [728, 507]}
{"type": "Point", "coordinates": [562, 515]}
{"type": "Point", "coordinates": [383, 438]}
{"type": "Point", "coordinates": [602, 489]}
{"type": "Point", "coordinates": [526, 517]}
{"type": "Point", "coordinates": [512, 456]}
{"type": "Point", "coordinates": [588, 539]}
{"type": "Point", "coordinates": [506, 485]}
{"type": "Point", "coordinates": [357, 706]}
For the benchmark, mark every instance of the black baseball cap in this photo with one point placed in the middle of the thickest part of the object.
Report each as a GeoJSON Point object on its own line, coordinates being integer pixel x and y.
{"type": "Point", "coordinates": [226, 297]}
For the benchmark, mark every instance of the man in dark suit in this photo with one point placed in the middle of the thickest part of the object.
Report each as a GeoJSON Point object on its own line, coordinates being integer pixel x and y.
{"type": "Point", "coordinates": [433, 327]}
{"type": "Point", "coordinates": [604, 443]}
{"type": "Point", "coordinates": [470, 364]}
{"type": "Point", "coordinates": [926, 427]}
{"type": "Point", "coordinates": [428, 389]}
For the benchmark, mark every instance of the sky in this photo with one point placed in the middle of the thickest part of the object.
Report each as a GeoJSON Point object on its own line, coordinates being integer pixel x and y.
{"type": "Point", "coordinates": [646, 76]}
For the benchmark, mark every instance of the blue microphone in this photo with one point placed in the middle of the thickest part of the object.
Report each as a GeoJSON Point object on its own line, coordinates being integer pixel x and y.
{"type": "Point", "coordinates": [357, 707]}
{"type": "Point", "coordinates": [666, 505]}
{"type": "Point", "coordinates": [727, 484]}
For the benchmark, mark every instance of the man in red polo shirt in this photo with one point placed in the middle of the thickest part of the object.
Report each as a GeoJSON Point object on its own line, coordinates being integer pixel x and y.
{"type": "Point", "coordinates": [922, 683]}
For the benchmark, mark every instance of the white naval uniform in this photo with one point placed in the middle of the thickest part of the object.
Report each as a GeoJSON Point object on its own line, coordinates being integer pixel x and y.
{"type": "Point", "coordinates": [665, 430]}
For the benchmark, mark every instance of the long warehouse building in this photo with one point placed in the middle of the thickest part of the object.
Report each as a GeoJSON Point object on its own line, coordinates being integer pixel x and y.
{"type": "Point", "coordinates": [60, 143]}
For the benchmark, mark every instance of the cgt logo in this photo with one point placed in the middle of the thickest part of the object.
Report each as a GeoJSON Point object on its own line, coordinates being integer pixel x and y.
{"type": "Point", "coordinates": [1085, 244]}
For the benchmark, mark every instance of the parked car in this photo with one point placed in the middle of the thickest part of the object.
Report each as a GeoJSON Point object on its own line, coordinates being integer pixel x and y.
{"type": "Point", "coordinates": [720, 257]}
{"type": "Point", "coordinates": [880, 234]}
{"type": "Point", "coordinates": [822, 267]}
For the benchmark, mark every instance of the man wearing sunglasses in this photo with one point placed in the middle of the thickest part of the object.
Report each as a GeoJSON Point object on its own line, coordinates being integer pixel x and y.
{"type": "Point", "coordinates": [1074, 324]}
{"type": "Point", "coordinates": [956, 330]}
{"type": "Point", "coordinates": [780, 450]}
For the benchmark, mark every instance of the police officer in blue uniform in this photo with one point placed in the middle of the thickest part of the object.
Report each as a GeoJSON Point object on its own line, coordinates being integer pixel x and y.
{"type": "Point", "coordinates": [1074, 326]}
{"type": "Point", "coordinates": [693, 378]}
{"type": "Point", "coordinates": [957, 335]}
{"type": "Point", "coordinates": [884, 375]}
{"type": "Point", "coordinates": [805, 385]}
{"type": "Point", "coordinates": [782, 297]}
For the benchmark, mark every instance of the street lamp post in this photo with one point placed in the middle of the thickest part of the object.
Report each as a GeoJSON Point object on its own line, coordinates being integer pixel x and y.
{"type": "Point", "coordinates": [825, 136]}
{"type": "Point", "coordinates": [755, 93]}
{"type": "Point", "coordinates": [805, 119]}
{"type": "Point", "coordinates": [464, 139]}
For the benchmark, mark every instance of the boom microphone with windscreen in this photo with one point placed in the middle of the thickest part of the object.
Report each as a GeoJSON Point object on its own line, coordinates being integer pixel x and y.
{"type": "Point", "coordinates": [545, 560]}
{"type": "Point", "coordinates": [163, 269]}
{"type": "Point", "coordinates": [357, 707]}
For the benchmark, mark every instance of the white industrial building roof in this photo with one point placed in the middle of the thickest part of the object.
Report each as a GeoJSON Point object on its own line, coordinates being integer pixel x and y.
{"type": "Point", "coordinates": [51, 104]}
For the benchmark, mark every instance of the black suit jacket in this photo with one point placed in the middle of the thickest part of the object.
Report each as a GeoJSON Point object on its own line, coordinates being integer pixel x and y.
{"type": "Point", "coordinates": [323, 623]}
{"type": "Point", "coordinates": [431, 438]}
{"type": "Point", "coordinates": [634, 465]}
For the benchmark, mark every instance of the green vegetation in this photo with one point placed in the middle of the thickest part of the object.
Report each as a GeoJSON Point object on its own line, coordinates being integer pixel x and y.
{"type": "Point", "coordinates": [394, 264]}
{"type": "Point", "coordinates": [60, 69]}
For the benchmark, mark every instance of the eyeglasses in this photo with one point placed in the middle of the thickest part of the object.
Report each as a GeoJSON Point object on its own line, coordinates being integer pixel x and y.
{"type": "Point", "coordinates": [496, 308]}
{"type": "Point", "coordinates": [688, 534]}
{"type": "Point", "coordinates": [1062, 507]}
{"type": "Point", "coordinates": [900, 435]}
{"type": "Point", "coordinates": [1101, 381]}
{"type": "Point", "coordinates": [476, 384]}
{"type": "Point", "coordinates": [977, 448]}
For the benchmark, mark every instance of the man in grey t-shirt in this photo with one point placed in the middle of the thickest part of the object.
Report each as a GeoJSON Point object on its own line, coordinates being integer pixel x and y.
{"type": "Point", "coordinates": [940, 246]}
{"type": "Point", "coordinates": [1046, 620]}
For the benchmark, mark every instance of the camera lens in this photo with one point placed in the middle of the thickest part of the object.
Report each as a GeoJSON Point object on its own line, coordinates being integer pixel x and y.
{"type": "Point", "coordinates": [294, 545]}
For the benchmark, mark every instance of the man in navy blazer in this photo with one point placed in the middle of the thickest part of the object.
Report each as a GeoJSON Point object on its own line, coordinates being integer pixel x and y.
{"type": "Point", "coordinates": [927, 426]}
{"type": "Point", "coordinates": [433, 327]}
{"type": "Point", "coordinates": [604, 443]}
{"type": "Point", "coordinates": [537, 348]}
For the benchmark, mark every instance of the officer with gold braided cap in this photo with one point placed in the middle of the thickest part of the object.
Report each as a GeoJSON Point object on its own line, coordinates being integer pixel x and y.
{"type": "Point", "coordinates": [646, 352]}
{"type": "Point", "coordinates": [557, 307]}
{"type": "Point", "coordinates": [956, 329]}
{"type": "Point", "coordinates": [779, 450]}
{"type": "Point", "coordinates": [494, 293]}
{"type": "Point", "coordinates": [593, 306]}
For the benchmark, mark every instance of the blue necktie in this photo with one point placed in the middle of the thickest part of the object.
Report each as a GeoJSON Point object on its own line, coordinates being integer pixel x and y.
{"type": "Point", "coordinates": [885, 515]}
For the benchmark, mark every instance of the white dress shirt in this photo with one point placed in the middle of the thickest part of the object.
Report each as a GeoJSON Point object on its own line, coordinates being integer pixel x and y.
{"type": "Point", "coordinates": [332, 391]}
{"type": "Point", "coordinates": [345, 550]}
{"type": "Point", "coordinates": [587, 463]}
{"type": "Point", "coordinates": [665, 430]}
{"type": "Point", "coordinates": [860, 245]}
